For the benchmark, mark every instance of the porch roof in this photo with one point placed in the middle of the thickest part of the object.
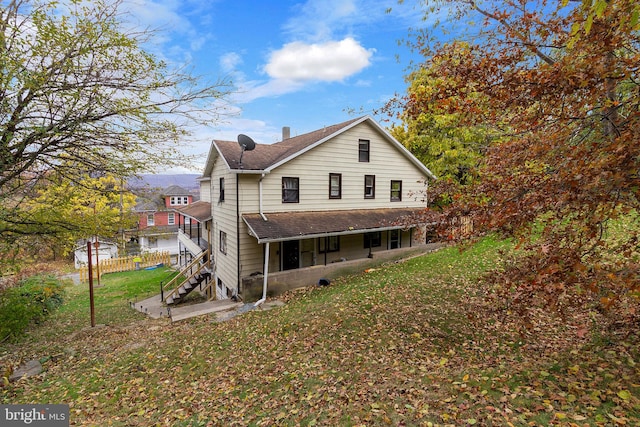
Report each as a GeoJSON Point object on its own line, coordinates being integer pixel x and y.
{"type": "Point", "coordinates": [282, 226]}
{"type": "Point", "coordinates": [200, 211]}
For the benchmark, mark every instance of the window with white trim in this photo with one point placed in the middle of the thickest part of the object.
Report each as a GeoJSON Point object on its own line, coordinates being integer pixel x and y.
{"type": "Point", "coordinates": [335, 185]}
{"type": "Point", "coordinates": [223, 242]}
{"type": "Point", "coordinates": [178, 200]}
{"type": "Point", "coordinates": [369, 186]}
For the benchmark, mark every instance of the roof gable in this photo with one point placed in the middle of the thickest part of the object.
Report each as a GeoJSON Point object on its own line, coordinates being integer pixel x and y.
{"type": "Point", "coordinates": [175, 190]}
{"type": "Point", "coordinates": [266, 157]}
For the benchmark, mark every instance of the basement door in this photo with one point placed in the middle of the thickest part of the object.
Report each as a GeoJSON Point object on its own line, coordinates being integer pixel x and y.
{"type": "Point", "coordinates": [290, 254]}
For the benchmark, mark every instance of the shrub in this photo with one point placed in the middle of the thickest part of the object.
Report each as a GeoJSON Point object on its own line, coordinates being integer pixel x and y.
{"type": "Point", "coordinates": [30, 302]}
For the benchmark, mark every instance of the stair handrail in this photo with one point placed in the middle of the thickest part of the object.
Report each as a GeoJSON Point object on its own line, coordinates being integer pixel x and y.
{"type": "Point", "coordinates": [211, 284]}
{"type": "Point", "coordinates": [184, 270]}
{"type": "Point", "coordinates": [189, 277]}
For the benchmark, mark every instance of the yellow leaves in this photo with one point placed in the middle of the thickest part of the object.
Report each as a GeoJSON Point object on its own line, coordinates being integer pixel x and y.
{"type": "Point", "coordinates": [574, 369]}
{"type": "Point", "coordinates": [624, 395]}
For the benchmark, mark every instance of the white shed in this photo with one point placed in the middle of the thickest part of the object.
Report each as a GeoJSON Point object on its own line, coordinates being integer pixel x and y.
{"type": "Point", "coordinates": [106, 250]}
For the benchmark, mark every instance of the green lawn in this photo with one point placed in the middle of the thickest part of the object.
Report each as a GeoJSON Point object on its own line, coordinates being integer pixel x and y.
{"type": "Point", "coordinates": [409, 343]}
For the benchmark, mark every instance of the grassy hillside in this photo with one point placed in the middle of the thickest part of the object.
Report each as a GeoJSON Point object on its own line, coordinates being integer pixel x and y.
{"type": "Point", "coordinates": [410, 343]}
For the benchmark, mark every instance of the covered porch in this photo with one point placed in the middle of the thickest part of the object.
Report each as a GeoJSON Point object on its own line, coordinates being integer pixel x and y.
{"type": "Point", "coordinates": [193, 230]}
{"type": "Point", "coordinates": [309, 240]}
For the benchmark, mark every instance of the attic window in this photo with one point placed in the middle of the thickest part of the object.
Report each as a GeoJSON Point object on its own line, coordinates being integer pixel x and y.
{"type": "Point", "coordinates": [221, 190]}
{"type": "Point", "coordinates": [363, 150]}
{"type": "Point", "coordinates": [179, 200]}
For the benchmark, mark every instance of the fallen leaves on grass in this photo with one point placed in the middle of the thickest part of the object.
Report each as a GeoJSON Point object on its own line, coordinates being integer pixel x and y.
{"type": "Point", "coordinates": [406, 344]}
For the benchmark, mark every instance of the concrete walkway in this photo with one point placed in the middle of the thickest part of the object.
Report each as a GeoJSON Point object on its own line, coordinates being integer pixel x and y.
{"type": "Point", "coordinates": [224, 309]}
{"type": "Point", "coordinates": [188, 311]}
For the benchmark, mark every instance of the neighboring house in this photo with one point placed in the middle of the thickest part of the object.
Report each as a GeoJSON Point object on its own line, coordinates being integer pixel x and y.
{"type": "Point", "coordinates": [158, 221]}
{"type": "Point", "coordinates": [105, 250]}
{"type": "Point", "coordinates": [344, 192]}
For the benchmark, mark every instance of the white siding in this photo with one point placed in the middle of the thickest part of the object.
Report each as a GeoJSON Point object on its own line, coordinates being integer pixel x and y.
{"type": "Point", "coordinates": [224, 219]}
{"type": "Point", "coordinates": [205, 191]}
{"type": "Point", "coordinates": [340, 155]}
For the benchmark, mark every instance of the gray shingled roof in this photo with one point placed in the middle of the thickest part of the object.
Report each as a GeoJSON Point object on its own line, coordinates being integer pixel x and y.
{"type": "Point", "coordinates": [295, 225]}
{"type": "Point", "coordinates": [175, 190]}
{"type": "Point", "coordinates": [200, 211]}
{"type": "Point", "coordinates": [266, 155]}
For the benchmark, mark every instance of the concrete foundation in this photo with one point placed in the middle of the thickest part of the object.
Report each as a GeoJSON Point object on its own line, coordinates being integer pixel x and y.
{"type": "Point", "coordinates": [282, 281]}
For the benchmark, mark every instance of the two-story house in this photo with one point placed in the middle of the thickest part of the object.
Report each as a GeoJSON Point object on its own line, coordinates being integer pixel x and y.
{"type": "Point", "coordinates": [341, 193]}
{"type": "Point", "coordinates": [158, 220]}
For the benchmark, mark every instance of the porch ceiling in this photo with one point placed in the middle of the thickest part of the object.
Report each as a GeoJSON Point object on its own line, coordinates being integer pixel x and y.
{"type": "Point", "coordinates": [283, 226]}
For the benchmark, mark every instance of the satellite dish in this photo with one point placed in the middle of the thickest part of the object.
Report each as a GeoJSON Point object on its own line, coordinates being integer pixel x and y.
{"type": "Point", "coordinates": [246, 142]}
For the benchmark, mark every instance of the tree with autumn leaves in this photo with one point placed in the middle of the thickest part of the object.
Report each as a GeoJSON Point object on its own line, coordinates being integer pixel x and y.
{"type": "Point", "coordinates": [80, 94]}
{"type": "Point", "coordinates": [558, 83]}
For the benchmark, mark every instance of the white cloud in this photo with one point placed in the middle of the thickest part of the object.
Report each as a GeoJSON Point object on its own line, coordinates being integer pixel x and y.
{"type": "Point", "coordinates": [329, 61]}
{"type": "Point", "coordinates": [251, 90]}
{"type": "Point", "coordinates": [318, 19]}
{"type": "Point", "coordinates": [229, 61]}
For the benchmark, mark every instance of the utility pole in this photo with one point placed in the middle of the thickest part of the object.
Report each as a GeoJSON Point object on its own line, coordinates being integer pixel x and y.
{"type": "Point", "coordinates": [93, 311]}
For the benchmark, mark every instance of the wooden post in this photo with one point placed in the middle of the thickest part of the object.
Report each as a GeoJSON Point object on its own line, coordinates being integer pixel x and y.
{"type": "Point", "coordinates": [97, 245]}
{"type": "Point", "coordinates": [93, 312]}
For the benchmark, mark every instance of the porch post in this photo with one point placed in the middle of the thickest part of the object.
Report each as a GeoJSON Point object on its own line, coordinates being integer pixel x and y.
{"type": "Point", "coordinates": [265, 276]}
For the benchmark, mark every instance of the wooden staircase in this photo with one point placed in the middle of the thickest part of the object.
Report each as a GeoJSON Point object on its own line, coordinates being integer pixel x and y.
{"type": "Point", "coordinates": [187, 286]}
{"type": "Point", "coordinates": [196, 273]}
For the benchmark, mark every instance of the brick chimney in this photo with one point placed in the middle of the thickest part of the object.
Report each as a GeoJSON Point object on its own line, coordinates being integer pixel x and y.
{"type": "Point", "coordinates": [286, 132]}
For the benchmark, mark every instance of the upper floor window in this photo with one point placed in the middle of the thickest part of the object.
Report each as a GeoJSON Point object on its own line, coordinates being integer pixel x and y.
{"type": "Point", "coordinates": [171, 218]}
{"type": "Point", "coordinates": [223, 242]}
{"type": "Point", "coordinates": [369, 186]}
{"type": "Point", "coordinates": [396, 191]}
{"type": "Point", "coordinates": [290, 190]}
{"type": "Point", "coordinates": [221, 190]}
{"type": "Point", "coordinates": [179, 200]}
{"type": "Point", "coordinates": [150, 220]}
{"type": "Point", "coordinates": [363, 150]}
{"type": "Point", "coordinates": [335, 185]}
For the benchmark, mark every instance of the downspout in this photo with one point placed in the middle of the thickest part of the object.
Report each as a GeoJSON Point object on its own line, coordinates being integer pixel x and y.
{"type": "Point", "coordinates": [260, 198]}
{"type": "Point", "coordinates": [427, 192]}
{"type": "Point", "coordinates": [265, 277]}
{"type": "Point", "coordinates": [238, 230]}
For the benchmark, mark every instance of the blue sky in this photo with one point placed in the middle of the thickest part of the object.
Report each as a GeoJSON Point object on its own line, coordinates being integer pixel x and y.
{"type": "Point", "coordinates": [301, 64]}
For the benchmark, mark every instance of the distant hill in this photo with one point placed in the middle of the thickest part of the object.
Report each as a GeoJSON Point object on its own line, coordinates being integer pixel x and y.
{"type": "Point", "coordinates": [188, 181]}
